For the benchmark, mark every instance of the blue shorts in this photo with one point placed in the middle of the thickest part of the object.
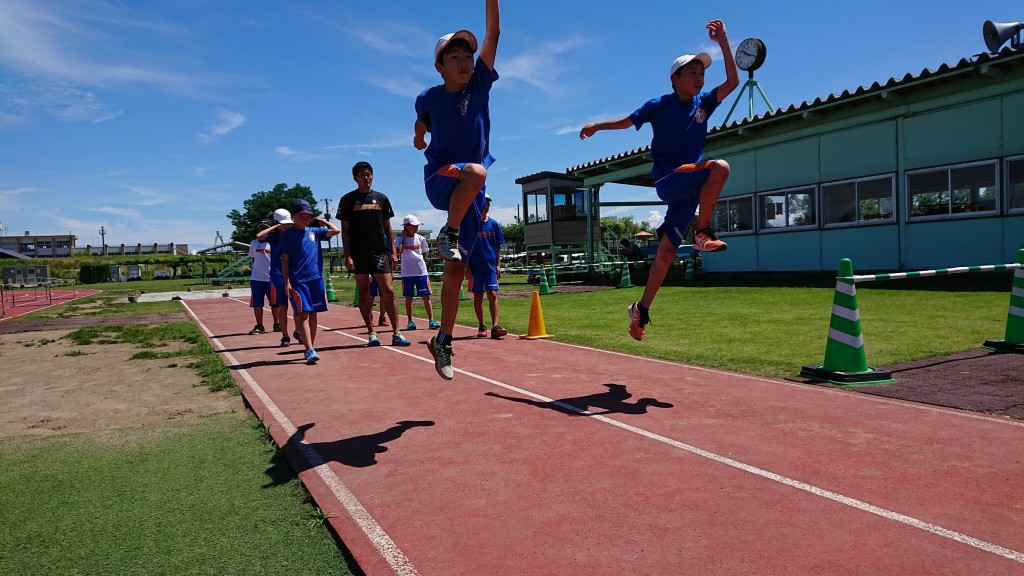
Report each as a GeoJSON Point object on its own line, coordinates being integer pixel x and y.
{"type": "Point", "coordinates": [374, 289]}
{"type": "Point", "coordinates": [440, 186]}
{"type": "Point", "coordinates": [415, 286]}
{"type": "Point", "coordinates": [484, 281]}
{"type": "Point", "coordinates": [258, 292]}
{"type": "Point", "coordinates": [309, 296]}
{"type": "Point", "coordinates": [680, 187]}
{"type": "Point", "coordinates": [277, 295]}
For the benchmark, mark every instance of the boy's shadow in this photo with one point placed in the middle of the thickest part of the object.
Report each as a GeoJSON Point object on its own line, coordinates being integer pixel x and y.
{"type": "Point", "coordinates": [611, 402]}
{"type": "Point", "coordinates": [357, 451]}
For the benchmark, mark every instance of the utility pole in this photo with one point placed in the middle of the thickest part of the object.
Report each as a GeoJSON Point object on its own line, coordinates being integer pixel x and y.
{"type": "Point", "coordinates": [327, 216]}
{"type": "Point", "coordinates": [103, 236]}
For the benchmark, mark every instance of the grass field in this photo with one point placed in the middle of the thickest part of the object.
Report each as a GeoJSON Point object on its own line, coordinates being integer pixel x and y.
{"type": "Point", "coordinates": [210, 496]}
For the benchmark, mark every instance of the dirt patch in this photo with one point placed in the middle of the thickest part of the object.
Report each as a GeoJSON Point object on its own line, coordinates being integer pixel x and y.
{"type": "Point", "coordinates": [77, 322]}
{"type": "Point", "coordinates": [52, 386]}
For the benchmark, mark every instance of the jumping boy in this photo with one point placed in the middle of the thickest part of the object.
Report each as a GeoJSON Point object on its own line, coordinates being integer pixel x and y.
{"type": "Point", "coordinates": [682, 177]}
{"type": "Point", "coordinates": [415, 281]}
{"type": "Point", "coordinates": [302, 267]}
{"type": "Point", "coordinates": [457, 115]}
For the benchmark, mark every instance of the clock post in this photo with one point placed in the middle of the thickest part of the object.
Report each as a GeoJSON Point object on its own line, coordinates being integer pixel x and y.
{"type": "Point", "coordinates": [750, 55]}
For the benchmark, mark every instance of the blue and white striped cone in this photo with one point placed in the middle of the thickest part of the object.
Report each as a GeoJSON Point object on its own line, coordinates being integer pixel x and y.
{"type": "Point", "coordinates": [845, 358]}
{"type": "Point", "coordinates": [1014, 339]}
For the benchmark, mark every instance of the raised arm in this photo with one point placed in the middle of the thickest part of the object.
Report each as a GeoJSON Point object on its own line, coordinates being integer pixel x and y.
{"type": "Point", "coordinates": [490, 45]}
{"type": "Point", "coordinates": [594, 127]}
{"type": "Point", "coordinates": [420, 132]}
{"type": "Point", "coordinates": [716, 31]}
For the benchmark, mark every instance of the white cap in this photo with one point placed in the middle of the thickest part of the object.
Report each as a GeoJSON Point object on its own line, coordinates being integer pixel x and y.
{"type": "Point", "coordinates": [411, 219]}
{"type": "Point", "coordinates": [283, 216]}
{"type": "Point", "coordinates": [685, 59]}
{"type": "Point", "coordinates": [445, 40]}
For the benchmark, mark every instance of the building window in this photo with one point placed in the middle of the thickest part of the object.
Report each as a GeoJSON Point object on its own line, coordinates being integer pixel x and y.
{"type": "Point", "coordinates": [567, 204]}
{"type": "Point", "coordinates": [26, 248]}
{"type": "Point", "coordinates": [734, 215]}
{"type": "Point", "coordinates": [44, 245]}
{"type": "Point", "coordinates": [857, 201]}
{"type": "Point", "coordinates": [969, 189]}
{"type": "Point", "coordinates": [1015, 184]}
{"type": "Point", "coordinates": [64, 244]}
{"type": "Point", "coordinates": [536, 207]}
{"type": "Point", "coordinates": [794, 208]}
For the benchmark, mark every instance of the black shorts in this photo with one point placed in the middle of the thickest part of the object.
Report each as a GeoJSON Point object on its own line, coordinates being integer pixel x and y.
{"type": "Point", "coordinates": [372, 263]}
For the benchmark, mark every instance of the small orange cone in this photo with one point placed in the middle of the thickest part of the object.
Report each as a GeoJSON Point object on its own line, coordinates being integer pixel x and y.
{"type": "Point", "coordinates": [536, 329]}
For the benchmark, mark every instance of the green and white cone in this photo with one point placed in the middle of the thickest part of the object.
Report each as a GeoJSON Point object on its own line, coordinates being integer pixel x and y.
{"type": "Point", "coordinates": [1014, 339]}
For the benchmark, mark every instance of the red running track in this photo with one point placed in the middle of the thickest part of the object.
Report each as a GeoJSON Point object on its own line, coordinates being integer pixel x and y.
{"type": "Point", "coordinates": [547, 458]}
{"type": "Point", "coordinates": [20, 302]}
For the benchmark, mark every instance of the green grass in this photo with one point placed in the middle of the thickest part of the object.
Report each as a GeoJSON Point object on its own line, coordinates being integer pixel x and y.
{"type": "Point", "coordinates": [199, 496]}
{"type": "Point", "coordinates": [769, 331]}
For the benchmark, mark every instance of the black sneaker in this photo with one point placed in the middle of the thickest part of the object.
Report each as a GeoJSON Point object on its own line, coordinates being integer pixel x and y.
{"type": "Point", "coordinates": [442, 358]}
{"type": "Point", "coordinates": [497, 332]}
{"type": "Point", "coordinates": [277, 326]}
{"type": "Point", "coordinates": [298, 337]}
{"type": "Point", "coordinates": [448, 244]}
{"type": "Point", "coordinates": [258, 329]}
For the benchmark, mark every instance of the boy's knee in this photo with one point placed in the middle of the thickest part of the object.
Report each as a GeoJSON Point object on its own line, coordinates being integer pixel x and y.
{"type": "Point", "coordinates": [474, 174]}
{"type": "Point", "coordinates": [721, 168]}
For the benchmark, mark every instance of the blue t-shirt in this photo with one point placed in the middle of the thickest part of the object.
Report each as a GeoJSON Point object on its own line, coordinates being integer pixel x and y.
{"type": "Point", "coordinates": [274, 239]}
{"type": "Point", "coordinates": [680, 127]}
{"type": "Point", "coordinates": [305, 262]}
{"type": "Point", "coordinates": [489, 241]}
{"type": "Point", "coordinates": [459, 122]}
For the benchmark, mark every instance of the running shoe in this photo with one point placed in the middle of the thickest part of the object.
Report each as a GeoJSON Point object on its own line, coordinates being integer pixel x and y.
{"type": "Point", "coordinates": [258, 329]}
{"type": "Point", "coordinates": [442, 358]}
{"type": "Point", "coordinates": [638, 321]}
{"type": "Point", "coordinates": [297, 336]}
{"type": "Point", "coordinates": [286, 341]}
{"type": "Point", "coordinates": [311, 356]}
{"type": "Point", "coordinates": [448, 244]}
{"type": "Point", "coordinates": [481, 332]}
{"type": "Point", "coordinates": [705, 240]}
{"type": "Point", "coordinates": [411, 325]}
{"type": "Point", "coordinates": [383, 320]}
{"type": "Point", "coordinates": [497, 332]}
{"type": "Point", "coordinates": [434, 325]}
{"type": "Point", "coordinates": [277, 326]}
{"type": "Point", "coordinates": [399, 340]}
{"type": "Point", "coordinates": [374, 340]}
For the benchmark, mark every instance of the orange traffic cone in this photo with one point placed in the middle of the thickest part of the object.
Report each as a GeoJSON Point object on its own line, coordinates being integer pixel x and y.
{"type": "Point", "coordinates": [536, 329]}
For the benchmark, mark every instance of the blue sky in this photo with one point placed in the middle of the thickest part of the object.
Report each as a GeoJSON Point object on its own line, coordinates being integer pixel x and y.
{"type": "Point", "coordinates": [155, 119]}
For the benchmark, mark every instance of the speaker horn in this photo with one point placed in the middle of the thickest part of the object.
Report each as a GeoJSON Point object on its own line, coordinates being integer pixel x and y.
{"type": "Point", "coordinates": [997, 33]}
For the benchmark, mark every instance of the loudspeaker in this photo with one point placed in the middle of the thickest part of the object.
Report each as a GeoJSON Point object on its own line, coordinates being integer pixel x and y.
{"type": "Point", "coordinates": [997, 33]}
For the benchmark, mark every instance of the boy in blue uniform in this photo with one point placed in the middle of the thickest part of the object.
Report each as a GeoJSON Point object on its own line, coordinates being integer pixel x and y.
{"type": "Point", "coordinates": [457, 115]}
{"type": "Point", "coordinates": [302, 267]}
{"type": "Point", "coordinates": [486, 270]}
{"type": "Point", "coordinates": [683, 178]}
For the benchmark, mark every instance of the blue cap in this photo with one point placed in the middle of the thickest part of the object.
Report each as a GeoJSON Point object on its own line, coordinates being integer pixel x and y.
{"type": "Point", "coordinates": [301, 206]}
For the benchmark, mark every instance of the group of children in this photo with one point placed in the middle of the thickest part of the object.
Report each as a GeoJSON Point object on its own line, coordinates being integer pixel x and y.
{"type": "Point", "coordinates": [456, 114]}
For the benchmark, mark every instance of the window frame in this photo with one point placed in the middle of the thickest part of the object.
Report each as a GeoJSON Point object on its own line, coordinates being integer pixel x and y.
{"type": "Point", "coordinates": [733, 199]}
{"type": "Point", "coordinates": [814, 193]}
{"type": "Point", "coordinates": [910, 217]}
{"type": "Point", "coordinates": [1006, 184]}
{"type": "Point", "coordinates": [528, 208]}
{"type": "Point", "coordinates": [855, 181]}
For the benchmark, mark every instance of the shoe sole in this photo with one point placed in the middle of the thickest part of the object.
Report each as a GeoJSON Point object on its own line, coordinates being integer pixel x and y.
{"type": "Point", "coordinates": [722, 248]}
{"type": "Point", "coordinates": [629, 312]}
{"type": "Point", "coordinates": [440, 370]}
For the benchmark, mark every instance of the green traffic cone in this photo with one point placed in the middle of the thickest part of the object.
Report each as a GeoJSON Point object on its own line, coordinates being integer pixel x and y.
{"type": "Point", "coordinates": [552, 281]}
{"type": "Point", "coordinates": [1014, 339]}
{"type": "Point", "coordinates": [544, 287]}
{"type": "Point", "coordinates": [331, 297]}
{"type": "Point", "coordinates": [625, 282]}
{"type": "Point", "coordinates": [845, 358]}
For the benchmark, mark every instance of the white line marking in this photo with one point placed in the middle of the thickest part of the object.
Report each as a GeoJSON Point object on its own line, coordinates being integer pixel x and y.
{"type": "Point", "coordinates": [809, 488]}
{"type": "Point", "coordinates": [378, 537]}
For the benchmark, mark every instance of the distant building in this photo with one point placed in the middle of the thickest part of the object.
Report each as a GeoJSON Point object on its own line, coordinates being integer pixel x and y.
{"type": "Point", "coordinates": [63, 246]}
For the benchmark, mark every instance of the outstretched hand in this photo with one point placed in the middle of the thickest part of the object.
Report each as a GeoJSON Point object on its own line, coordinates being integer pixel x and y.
{"type": "Point", "coordinates": [716, 31]}
{"type": "Point", "coordinates": [588, 131]}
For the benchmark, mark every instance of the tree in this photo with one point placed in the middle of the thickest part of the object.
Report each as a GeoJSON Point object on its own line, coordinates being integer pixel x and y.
{"type": "Point", "coordinates": [262, 205]}
{"type": "Point", "coordinates": [514, 235]}
{"type": "Point", "coordinates": [615, 229]}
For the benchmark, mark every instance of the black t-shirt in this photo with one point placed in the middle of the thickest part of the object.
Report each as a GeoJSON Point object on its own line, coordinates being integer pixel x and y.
{"type": "Point", "coordinates": [366, 215]}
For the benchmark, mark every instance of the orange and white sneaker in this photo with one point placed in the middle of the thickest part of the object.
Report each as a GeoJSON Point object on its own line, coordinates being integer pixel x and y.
{"type": "Point", "coordinates": [638, 321]}
{"type": "Point", "coordinates": [705, 240]}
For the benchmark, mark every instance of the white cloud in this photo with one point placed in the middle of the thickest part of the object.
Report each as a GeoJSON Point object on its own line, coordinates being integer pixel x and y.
{"type": "Point", "coordinates": [115, 211]}
{"type": "Point", "coordinates": [655, 218]}
{"type": "Point", "coordinates": [229, 121]}
{"type": "Point", "coordinates": [541, 66]}
{"type": "Point", "coordinates": [301, 156]}
{"type": "Point", "coordinates": [403, 87]}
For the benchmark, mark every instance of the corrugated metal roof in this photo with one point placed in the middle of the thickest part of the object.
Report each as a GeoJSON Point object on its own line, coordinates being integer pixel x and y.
{"type": "Point", "coordinates": [908, 82]}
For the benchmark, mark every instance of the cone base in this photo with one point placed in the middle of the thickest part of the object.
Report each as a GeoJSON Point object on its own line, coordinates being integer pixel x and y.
{"type": "Point", "coordinates": [529, 337]}
{"type": "Point", "coordinates": [1004, 346]}
{"type": "Point", "coordinates": [872, 377]}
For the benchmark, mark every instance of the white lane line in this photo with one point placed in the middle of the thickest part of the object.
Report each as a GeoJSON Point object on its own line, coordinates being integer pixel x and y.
{"type": "Point", "coordinates": [390, 551]}
{"type": "Point", "coordinates": [803, 486]}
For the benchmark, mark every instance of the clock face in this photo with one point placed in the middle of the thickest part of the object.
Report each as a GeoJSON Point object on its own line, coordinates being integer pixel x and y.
{"type": "Point", "coordinates": [750, 54]}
